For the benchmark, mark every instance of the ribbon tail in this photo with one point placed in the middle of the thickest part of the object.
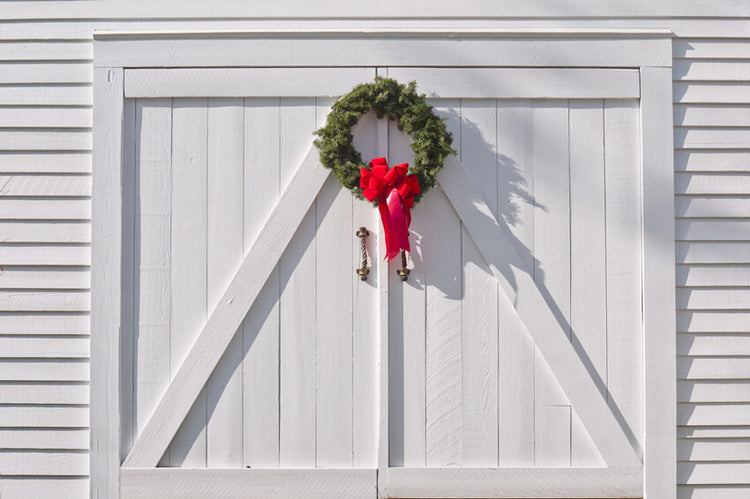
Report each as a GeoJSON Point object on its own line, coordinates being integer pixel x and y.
{"type": "Point", "coordinates": [385, 219]}
{"type": "Point", "coordinates": [400, 219]}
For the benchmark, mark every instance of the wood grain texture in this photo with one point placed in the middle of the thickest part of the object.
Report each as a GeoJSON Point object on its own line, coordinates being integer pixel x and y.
{"type": "Point", "coordinates": [188, 262]}
{"type": "Point", "coordinates": [228, 315]}
{"type": "Point", "coordinates": [245, 483]}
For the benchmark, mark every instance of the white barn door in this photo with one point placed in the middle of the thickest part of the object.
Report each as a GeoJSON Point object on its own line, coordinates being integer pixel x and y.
{"type": "Point", "coordinates": [527, 355]}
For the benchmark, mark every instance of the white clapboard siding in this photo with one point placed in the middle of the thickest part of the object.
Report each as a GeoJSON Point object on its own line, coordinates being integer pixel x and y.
{"type": "Point", "coordinates": [729, 321]}
{"type": "Point", "coordinates": [32, 50]}
{"type": "Point", "coordinates": [43, 301]}
{"type": "Point", "coordinates": [715, 160]}
{"type": "Point", "coordinates": [711, 138]}
{"type": "Point", "coordinates": [46, 95]}
{"type": "Point", "coordinates": [711, 115]}
{"type": "Point", "coordinates": [713, 344]}
{"type": "Point", "coordinates": [713, 275]}
{"type": "Point", "coordinates": [45, 232]}
{"type": "Point", "coordinates": [713, 414]}
{"type": "Point", "coordinates": [44, 72]}
{"type": "Point", "coordinates": [712, 230]}
{"type": "Point", "coordinates": [48, 416]}
{"type": "Point", "coordinates": [711, 183]}
{"type": "Point", "coordinates": [726, 252]}
{"type": "Point", "coordinates": [40, 185]}
{"type": "Point", "coordinates": [67, 438]}
{"type": "Point", "coordinates": [16, 254]}
{"type": "Point", "coordinates": [57, 487]}
{"type": "Point", "coordinates": [44, 370]}
{"type": "Point", "coordinates": [711, 70]}
{"type": "Point", "coordinates": [713, 367]}
{"type": "Point", "coordinates": [47, 392]}
{"type": "Point", "coordinates": [46, 117]}
{"type": "Point", "coordinates": [45, 140]}
{"type": "Point", "coordinates": [36, 463]}
{"type": "Point", "coordinates": [45, 323]}
{"type": "Point", "coordinates": [712, 93]}
{"type": "Point", "coordinates": [713, 390]}
{"type": "Point", "coordinates": [74, 347]}
{"type": "Point", "coordinates": [35, 277]}
{"type": "Point", "coordinates": [712, 207]}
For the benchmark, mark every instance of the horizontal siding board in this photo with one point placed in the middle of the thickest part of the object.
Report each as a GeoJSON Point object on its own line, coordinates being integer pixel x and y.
{"type": "Point", "coordinates": [46, 117]}
{"type": "Point", "coordinates": [44, 255]}
{"type": "Point", "coordinates": [43, 370]}
{"type": "Point", "coordinates": [708, 275]}
{"type": "Point", "coordinates": [711, 115]}
{"type": "Point", "coordinates": [713, 473]}
{"type": "Point", "coordinates": [718, 48]}
{"type": "Point", "coordinates": [74, 347]}
{"type": "Point", "coordinates": [68, 438]}
{"type": "Point", "coordinates": [712, 160]}
{"type": "Point", "coordinates": [46, 95]}
{"type": "Point", "coordinates": [46, 72]}
{"type": "Point", "coordinates": [713, 367]}
{"type": "Point", "coordinates": [45, 162]}
{"type": "Point", "coordinates": [45, 232]}
{"type": "Point", "coordinates": [711, 138]}
{"type": "Point", "coordinates": [34, 50]}
{"type": "Point", "coordinates": [713, 450]}
{"type": "Point", "coordinates": [713, 391]}
{"type": "Point", "coordinates": [713, 344]}
{"type": "Point", "coordinates": [44, 463]}
{"type": "Point", "coordinates": [728, 321]}
{"type": "Point", "coordinates": [37, 416]}
{"type": "Point", "coordinates": [45, 209]}
{"type": "Point", "coordinates": [44, 301]}
{"type": "Point", "coordinates": [44, 393]}
{"type": "Point", "coordinates": [711, 93]}
{"type": "Point", "coordinates": [45, 324]}
{"type": "Point", "coordinates": [726, 252]}
{"type": "Point", "coordinates": [712, 70]}
{"type": "Point", "coordinates": [712, 230]}
{"type": "Point", "coordinates": [45, 185]}
{"type": "Point", "coordinates": [39, 277]}
{"type": "Point", "coordinates": [712, 183]}
{"type": "Point", "coordinates": [711, 207]}
{"type": "Point", "coordinates": [712, 432]}
{"type": "Point", "coordinates": [712, 492]}
{"type": "Point", "coordinates": [713, 299]}
{"type": "Point", "coordinates": [713, 414]}
{"type": "Point", "coordinates": [45, 140]}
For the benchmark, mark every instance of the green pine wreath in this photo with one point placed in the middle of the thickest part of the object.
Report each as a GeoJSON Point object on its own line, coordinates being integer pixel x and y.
{"type": "Point", "coordinates": [431, 142]}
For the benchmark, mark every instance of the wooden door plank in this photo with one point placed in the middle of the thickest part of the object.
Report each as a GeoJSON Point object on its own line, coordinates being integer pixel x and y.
{"type": "Point", "coordinates": [475, 136]}
{"type": "Point", "coordinates": [406, 323]}
{"type": "Point", "coordinates": [535, 315]}
{"type": "Point", "coordinates": [297, 269]}
{"type": "Point", "coordinates": [516, 355]}
{"type": "Point", "coordinates": [588, 300]}
{"type": "Point", "coordinates": [370, 139]}
{"type": "Point", "coordinates": [261, 326]}
{"type": "Point", "coordinates": [228, 314]}
{"type": "Point", "coordinates": [551, 270]}
{"type": "Point", "coordinates": [188, 245]}
{"type": "Point", "coordinates": [152, 260]}
{"type": "Point", "coordinates": [334, 315]}
{"type": "Point", "coordinates": [224, 251]}
{"type": "Point", "coordinates": [624, 271]}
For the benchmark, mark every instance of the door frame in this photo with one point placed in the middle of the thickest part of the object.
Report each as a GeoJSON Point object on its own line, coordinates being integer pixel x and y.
{"type": "Point", "coordinates": [119, 59]}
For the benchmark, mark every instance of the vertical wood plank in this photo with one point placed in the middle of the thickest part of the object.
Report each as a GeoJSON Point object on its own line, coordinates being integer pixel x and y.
{"type": "Point", "coordinates": [588, 299]}
{"type": "Point", "coordinates": [443, 370]}
{"type": "Point", "coordinates": [297, 309]}
{"type": "Point", "coordinates": [224, 254]}
{"type": "Point", "coordinates": [153, 120]}
{"type": "Point", "coordinates": [334, 319]}
{"type": "Point", "coordinates": [475, 137]}
{"type": "Point", "coordinates": [368, 135]}
{"type": "Point", "coordinates": [552, 250]}
{"type": "Point", "coordinates": [106, 275]}
{"type": "Point", "coordinates": [127, 335]}
{"type": "Point", "coordinates": [624, 319]}
{"type": "Point", "coordinates": [406, 328]}
{"type": "Point", "coordinates": [188, 276]}
{"type": "Point", "coordinates": [658, 283]}
{"type": "Point", "coordinates": [261, 327]}
{"type": "Point", "coordinates": [516, 355]}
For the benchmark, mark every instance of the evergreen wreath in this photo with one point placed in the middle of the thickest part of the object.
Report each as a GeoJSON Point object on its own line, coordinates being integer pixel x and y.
{"type": "Point", "coordinates": [431, 142]}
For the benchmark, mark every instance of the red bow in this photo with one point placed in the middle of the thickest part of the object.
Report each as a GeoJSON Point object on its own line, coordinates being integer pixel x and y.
{"type": "Point", "coordinates": [395, 191]}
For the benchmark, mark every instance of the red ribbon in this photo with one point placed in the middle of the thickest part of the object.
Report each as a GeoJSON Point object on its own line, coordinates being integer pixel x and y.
{"type": "Point", "coordinates": [395, 191]}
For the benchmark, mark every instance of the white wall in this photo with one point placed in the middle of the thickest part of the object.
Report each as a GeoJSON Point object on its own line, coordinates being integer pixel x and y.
{"type": "Point", "coordinates": [45, 165]}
